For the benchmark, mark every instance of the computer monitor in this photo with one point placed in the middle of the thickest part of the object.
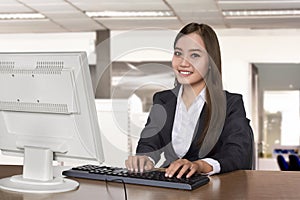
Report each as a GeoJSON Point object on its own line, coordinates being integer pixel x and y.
{"type": "Point", "coordinates": [47, 112]}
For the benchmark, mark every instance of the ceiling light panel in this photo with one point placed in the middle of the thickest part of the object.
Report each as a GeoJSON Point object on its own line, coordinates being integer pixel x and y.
{"type": "Point", "coordinates": [137, 14]}
{"type": "Point", "coordinates": [261, 13]}
{"type": "Point", "coordinates": [67, 15]}
{"type": "Point", "coordinates": [127, 24]}
{"type": "Point", "coordinates": [16, 16]}
{"type": "Point", "coordinates": [258, 4]}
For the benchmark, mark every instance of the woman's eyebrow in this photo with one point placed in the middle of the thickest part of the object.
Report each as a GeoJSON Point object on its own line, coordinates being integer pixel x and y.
{"type": "Point", "coordinates": [200, 50]}
{"type": "Point", "coordinates": [190, 50]}
{"type": "Point", "coordinates": [177, 48]}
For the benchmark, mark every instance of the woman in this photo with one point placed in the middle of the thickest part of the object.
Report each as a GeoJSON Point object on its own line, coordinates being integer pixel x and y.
{"type": "Point", "coordinates": [199, 127]}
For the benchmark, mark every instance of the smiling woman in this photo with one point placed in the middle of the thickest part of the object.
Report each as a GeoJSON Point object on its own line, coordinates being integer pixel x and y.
{"type": "Point", "coordinates": [198, 126]}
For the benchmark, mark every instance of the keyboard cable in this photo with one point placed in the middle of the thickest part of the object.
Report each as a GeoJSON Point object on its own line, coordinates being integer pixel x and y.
{"type": "Point", "coordinates": [118, 181]}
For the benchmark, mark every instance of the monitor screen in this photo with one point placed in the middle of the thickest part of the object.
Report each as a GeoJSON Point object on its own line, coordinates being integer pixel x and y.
{"type": "Point", "coordinates": [47, 112]}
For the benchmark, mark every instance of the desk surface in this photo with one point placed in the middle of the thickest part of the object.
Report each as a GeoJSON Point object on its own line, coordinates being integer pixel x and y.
{"type": "Point", "coordinates": [235, 185]}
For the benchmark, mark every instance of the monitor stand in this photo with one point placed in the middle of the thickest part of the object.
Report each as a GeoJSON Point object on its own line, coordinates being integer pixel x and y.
{"type": "Point", "coordinates": [37, 175]}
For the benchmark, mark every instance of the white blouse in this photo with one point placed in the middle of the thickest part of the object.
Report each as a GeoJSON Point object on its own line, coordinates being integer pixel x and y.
{"type": "Point", "coordinates": [184, 127]}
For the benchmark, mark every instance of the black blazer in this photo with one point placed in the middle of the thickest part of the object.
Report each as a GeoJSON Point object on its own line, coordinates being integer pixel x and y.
{"type": "Point", "coordinates": [233, 150]}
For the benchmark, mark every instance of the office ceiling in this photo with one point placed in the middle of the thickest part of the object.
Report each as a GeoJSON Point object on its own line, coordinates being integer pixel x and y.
{"type": "Point", "coordinates": [69, 15]}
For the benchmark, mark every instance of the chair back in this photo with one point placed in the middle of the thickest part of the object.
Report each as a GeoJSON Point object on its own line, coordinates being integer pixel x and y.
{"type": "Point", "coordinates": [282, 163]}
{"type": "Point", "coordinates": [294, 162]}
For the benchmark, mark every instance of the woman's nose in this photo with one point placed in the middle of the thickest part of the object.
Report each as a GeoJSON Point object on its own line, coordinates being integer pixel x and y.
{"type": "Point", "coordinates": [184, 62]}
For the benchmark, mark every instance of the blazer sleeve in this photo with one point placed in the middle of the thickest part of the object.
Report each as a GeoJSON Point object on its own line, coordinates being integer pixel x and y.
{"type": "Point", "coordinates": [234, 149]}
{"type": "Point", "coordinates": [150, 142]}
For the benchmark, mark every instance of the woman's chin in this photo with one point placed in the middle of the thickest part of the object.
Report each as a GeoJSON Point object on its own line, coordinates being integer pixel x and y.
{"type": "Point", "coordinates": [183, 81]}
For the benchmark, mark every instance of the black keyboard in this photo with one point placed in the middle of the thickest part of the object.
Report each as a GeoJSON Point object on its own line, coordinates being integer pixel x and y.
{"type": "Point", "coordinates": [150, 178]}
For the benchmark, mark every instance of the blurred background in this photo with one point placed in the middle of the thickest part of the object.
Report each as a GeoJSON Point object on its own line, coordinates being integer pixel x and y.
{"type": "Point", "coordinates": [130, 45]}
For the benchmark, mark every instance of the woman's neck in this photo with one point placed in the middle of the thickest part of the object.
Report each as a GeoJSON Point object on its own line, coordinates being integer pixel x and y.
{"type": "Point", "coordinates": [190, 92]}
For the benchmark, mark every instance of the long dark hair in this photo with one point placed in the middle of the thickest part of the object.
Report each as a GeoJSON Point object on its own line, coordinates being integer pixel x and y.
{"type": "Point", "coordinates": [212, 46]}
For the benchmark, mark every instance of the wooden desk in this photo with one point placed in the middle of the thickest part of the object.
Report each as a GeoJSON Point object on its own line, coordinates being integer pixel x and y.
{"type": "Point", "coordinates": [256, 185]}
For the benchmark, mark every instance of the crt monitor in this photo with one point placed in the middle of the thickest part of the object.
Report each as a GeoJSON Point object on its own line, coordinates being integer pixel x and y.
{"type": "Point", "coordinates": [47, 112]}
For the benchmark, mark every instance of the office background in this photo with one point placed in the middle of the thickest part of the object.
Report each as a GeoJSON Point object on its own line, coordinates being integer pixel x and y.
{"type": "Point", "coordinates": [259, 53]}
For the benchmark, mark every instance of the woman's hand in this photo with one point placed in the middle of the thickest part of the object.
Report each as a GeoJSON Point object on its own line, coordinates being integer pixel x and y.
{"type": "Point", "coordinates": [181, 167]}
{"type": "Point", "coordinates": [184, 166]}
{"type": "Point", "coordinates": [139, 163]}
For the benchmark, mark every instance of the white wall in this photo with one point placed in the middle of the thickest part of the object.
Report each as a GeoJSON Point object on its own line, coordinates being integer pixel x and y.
{"type": "Point", "coordinates": [113, 117]}
{"type": "Point", "coordinates": [142, 45]}
{"type": "Point", "coordinates": [50, 42]}
{"type": "Point", "coordinates": [242, 47]}
{"type": "Point", "coordinates": [239, 49]}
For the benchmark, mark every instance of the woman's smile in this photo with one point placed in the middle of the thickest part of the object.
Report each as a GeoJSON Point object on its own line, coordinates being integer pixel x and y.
{"type": "Point", "coordinates": [185, 73]}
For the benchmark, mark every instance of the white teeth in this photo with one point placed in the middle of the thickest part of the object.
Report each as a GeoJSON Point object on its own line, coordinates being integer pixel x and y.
{"type": "Point", "coordinates": [181, 72]}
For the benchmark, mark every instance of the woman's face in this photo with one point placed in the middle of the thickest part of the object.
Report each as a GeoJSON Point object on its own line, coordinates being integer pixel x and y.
{"type": "Point", "coordinates": [190, 60]}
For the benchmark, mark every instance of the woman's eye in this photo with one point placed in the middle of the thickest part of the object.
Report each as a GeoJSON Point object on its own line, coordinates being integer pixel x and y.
{"type": "Point", "coordinates": [177, 53]}
{"type": "Point", "coordinates": [195, 55]}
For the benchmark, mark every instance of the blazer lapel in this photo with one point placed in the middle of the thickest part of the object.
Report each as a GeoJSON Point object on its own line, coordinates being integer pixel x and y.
{"type": "Point", "coordinates": [169, 101]}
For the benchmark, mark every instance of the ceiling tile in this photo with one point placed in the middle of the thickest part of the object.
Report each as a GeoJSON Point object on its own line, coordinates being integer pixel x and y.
{"type": "Point", "coordinates": [7, 6]}
{"type": "Point", "coordinates": [135, 24]}
{"type": "Point", "coordinates": [68, 15]}
{"type": "Point", "coordinates": [79, 25]}
{"type": "Point", "coordinates": [263, 23]}
{"type": "Point", "coordinates": [117, 5]}
{"type": "Point", "coordinates": [45, 2]}
{"type": "Point", "coordinates": [29, 26]}
{"type": "Point", "coordinates": [54, 5]}
{"type": "Point", "coordinates": [193, 5]}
